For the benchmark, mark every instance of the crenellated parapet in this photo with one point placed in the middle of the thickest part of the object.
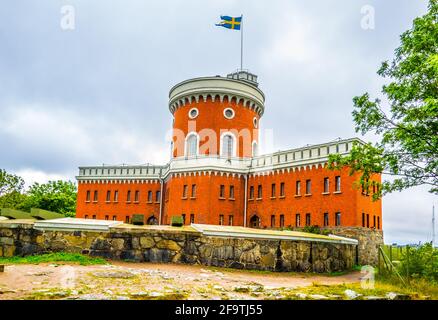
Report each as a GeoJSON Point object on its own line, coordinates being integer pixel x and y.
{"type": "Point", "coordinates": [217, 89]}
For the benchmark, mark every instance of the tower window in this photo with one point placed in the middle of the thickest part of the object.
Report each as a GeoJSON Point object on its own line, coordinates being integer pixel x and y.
{"type": "Point", "coordinates": [282, 193]}
{"type": "Point", "coordinates": [259, 192]}
{"type": "Point", "coordinates": [116, 196]}
{"type": "Point", "coordinates": [185, 188]}
{"type": "Point", "coordinates": [222, 191]}
{"type": "Point", "coordinates": [229, 113]}
{"type": "Point", "coordinates": [128, 196]}
{"type": "Point", "coordinates": [149, 196]}
{"type": "Point", "coordinates": [192, 145]}
{"type": "Point", "coordinates": [88, 196]}
{"type": "Point", "coordinates": [272, 221]}
{"type": "Point", "coordinates": [298, 188]}
{"type": "Point", "coordinates": [281, 220]}
{"type": "Point", "coordinates": [227, 145]}
{"type": "Point", "coordinates": [273, 190]}
{"type": "Point", "coordinates": [95, 196]}
{"type": "Point", "coordinates": [231, 192]}
{"type": "Point", "coordinates": [137, 196]}
{"type": "Point", "coordinates": [193, 113]}
{"type": "Point", "coordinates": [221, 220]}
{"type": "Point", "coordinates": [157, 196]}
{"type": "Point", "coordinates": [230, 220]}
{"type": "Point", "coordinates": [108, 196]}
{"type": "Point", "coordinates": [193, 190]}
{"type": "Point", "coordinates": [251, 192]}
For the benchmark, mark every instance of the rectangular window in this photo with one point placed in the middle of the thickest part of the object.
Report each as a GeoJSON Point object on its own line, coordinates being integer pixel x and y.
{"type": "Point", "coordinates": [128, 196]}
{"type": "Point", "coordinates": [137, 196]}
{"type": "Point", "coordinates": [378, 223]}
{"type": "Point", "coordinates": [221, 220]}
{"type": "Point", "coordinates": [259, 192]}
{"type": "Point", "coordinates": [108, 196]}
{"type": "Point", "coordinates": [114, 218]}
{"type": "Point", "coordinates": [95, 196]}
{"type": "Point", "coordinates": [193, 190]}
{"type": "Point", "coordinates": [368, 220]}
{"type": "Point", "coordinates": [326, 185]}
{"type": "Point", "coordinates": [149, 196]}
{"type": "Point", "coordinates": [251, 192]}
{"type": "Point", "coordinates": [157, 196]}
{"type": "Point", "coordinates": [230, 220]}
{"type": "Point", "coordinates": [281, 220]}
{"type": "Point", "coordinates": [94, 216]}
{"type": "Point", "coordinates": [231, 192]}
{"type": "Point", "coordinates": [298, 188]}
{"type": "Point", "coordinates": [127, 219]}
{"type": "Point", "coordinates": [374, 221]}
{"type": "Point", "coordinates": [222, 191]}
{"type": "Point", "coordinates": [308, 186]}
{"type": "Point", "coordinates": [272, 221]}
{"type": "Point", "coordinates": [338, 219]}
{"type": "Point", "coordinates": [184, 218]}
{"type": "Point", "coordinates": [184, 194]}
{"type": "Point", "coordinates": [86, 216]}
{"type": "Point", "coordinates": [116, 196]}
{"type": "Point", "coordinates": [338, 184]}
{"type": "Point", "coordinates": [88, 196]}
{"type": "Point", "coordinates": [363, 219]}
{"type": "Point", "coordinates": [308, 219]}
{"type": "Point", "coordinates": [192, 218]}
{"type": "Point", "coordinates": [326, 219]}
{"type": "Point", "coordinates": [282, 192]}
{"type": "Point", "coordinates": [106, 217]}
{"type": "Point", "coordinates": [273, 190]}
{"type": "Point", "coordinates": [297, 220]}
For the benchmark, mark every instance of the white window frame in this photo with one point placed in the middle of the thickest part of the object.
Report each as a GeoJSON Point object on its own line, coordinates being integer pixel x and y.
{"type": "Point", "coordinates": [197, 113]}
{"type": "Point", "coordinates": [255, 154]}
{"type": "Point", "coordinates": [197, 144]}
{"type": "Point", "coordinates": [234, 149]}
{"type": "Point", "coordinates": [234, 113]}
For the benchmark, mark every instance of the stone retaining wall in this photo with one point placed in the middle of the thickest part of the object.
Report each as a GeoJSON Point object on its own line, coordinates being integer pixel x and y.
{"type": "Point", "coordinates": [180, 246]}
{"type": "Point", "coordinates": [369, 242]}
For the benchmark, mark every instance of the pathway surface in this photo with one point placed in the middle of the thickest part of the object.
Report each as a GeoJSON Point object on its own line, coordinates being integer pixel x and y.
{"type": "Point", "coordinates": [122, 280]}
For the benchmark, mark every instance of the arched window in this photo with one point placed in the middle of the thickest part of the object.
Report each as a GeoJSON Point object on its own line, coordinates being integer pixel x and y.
{"type": "Point", "coordinates": [254, 222]}
{"type": "Point", "coordinates": [228, 147]}
{"type": "Point", "coordinates": [192, 145]}
{"type": "Point", "coordinates": [255, 149]}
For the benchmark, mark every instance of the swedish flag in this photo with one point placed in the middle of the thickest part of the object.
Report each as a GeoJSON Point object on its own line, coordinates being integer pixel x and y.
{"type": "Point", "coordinates": [230, 22]}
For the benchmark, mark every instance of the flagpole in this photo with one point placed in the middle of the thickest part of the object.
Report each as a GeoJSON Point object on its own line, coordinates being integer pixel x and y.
{"type": "Point", "coordinates": [241, 42]}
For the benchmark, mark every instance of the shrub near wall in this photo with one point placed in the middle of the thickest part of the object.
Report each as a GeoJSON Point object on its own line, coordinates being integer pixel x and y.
{"type": "Point", "coordinates": [180, 246]}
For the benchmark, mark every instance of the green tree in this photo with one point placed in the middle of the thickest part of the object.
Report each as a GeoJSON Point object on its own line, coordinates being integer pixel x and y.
{"type": "Point", "coordinates": [407, 129]}
{"type": "Point", "coordinates": [11, 187]}
{"type": "Point", "coordinates": [58, 196]}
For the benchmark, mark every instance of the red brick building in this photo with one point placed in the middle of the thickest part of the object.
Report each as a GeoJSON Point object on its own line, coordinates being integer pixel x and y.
{"type": "Point", "coordinates": [215, 175]}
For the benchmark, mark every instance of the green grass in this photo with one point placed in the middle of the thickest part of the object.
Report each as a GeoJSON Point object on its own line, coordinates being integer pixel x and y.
{"type": "Point", "coordinates": [54, 257]}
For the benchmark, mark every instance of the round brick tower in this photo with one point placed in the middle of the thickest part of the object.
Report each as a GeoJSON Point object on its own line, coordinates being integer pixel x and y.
{"type": "Point", "coordinates": [216, 116]}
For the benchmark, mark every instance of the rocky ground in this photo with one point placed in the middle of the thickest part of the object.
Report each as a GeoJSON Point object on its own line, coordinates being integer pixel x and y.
{"type": "Point", "coordinates": [123, 280]}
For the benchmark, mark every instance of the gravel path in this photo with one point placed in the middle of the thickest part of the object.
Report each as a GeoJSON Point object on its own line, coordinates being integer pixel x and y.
{"type": "Point", "coordinates": [122, 280]}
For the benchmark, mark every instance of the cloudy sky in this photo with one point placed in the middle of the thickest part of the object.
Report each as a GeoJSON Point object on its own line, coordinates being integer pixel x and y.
{"type": "Point", "coordinates": [98, 93]}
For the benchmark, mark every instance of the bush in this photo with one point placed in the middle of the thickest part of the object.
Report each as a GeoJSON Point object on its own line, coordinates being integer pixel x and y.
{"type": "Point", "coordinates": [421, 262]}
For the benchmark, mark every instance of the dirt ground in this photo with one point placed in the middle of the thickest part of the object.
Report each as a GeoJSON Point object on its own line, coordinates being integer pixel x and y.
{"type": "Point", "coordinates": [123, 280]}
